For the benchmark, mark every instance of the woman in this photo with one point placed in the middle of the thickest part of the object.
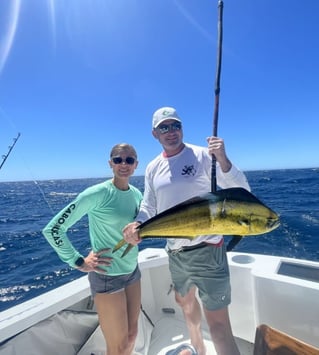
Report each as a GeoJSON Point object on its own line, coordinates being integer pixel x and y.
{"type": "Point", "coordinates": [114, 282]}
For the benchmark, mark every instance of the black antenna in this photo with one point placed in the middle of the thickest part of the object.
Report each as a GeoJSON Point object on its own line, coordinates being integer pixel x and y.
{"type": "Point", "coordinates": [5, 156]}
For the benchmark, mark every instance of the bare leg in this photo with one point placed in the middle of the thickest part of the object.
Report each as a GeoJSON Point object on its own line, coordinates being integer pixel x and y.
{"type": "Point", "coordinates": [193, 315]}
{"type": "Point", "coordinates": [118, 316]}
{"type": "Point", "coordinates": [221, 332]}
{"type": "Point", "coordinates": [133, 299]}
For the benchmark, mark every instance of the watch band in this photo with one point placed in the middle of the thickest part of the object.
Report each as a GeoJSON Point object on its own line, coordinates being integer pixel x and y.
{"type": "Point", "coordinates": [79, 262]}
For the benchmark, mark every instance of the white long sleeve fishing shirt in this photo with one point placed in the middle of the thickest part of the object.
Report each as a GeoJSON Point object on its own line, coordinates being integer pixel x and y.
{"type": "Point", "coordinates": [171, 180]}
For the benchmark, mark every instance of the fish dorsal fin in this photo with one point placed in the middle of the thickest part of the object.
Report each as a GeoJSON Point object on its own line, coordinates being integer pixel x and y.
{"type": "Point", "coordinates": [236, 193]}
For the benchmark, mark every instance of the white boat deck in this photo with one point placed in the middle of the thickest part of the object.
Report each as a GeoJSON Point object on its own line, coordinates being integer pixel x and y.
{"type": "Point", "coordinates": [280, 292]}
{"type": "Point", "coordinates": [168, 333]}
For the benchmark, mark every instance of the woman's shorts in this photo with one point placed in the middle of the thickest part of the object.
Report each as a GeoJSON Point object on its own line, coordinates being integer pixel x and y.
{"type": "Point", "coordinates": [100, 283]}
{"type": "Point", "coordinates": [207, 269]}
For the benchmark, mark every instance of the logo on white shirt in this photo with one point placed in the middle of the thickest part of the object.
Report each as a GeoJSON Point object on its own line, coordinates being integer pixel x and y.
{"type": "Point", "coordinates": [189, 170]}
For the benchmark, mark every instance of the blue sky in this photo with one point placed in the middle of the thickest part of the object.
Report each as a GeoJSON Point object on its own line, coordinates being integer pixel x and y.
{"type": "Point", "coordinates": [78, 76]}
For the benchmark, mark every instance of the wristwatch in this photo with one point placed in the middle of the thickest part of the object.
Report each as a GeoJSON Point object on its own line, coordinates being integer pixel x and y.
{"type": "Point", "coordinates": [79, 262]}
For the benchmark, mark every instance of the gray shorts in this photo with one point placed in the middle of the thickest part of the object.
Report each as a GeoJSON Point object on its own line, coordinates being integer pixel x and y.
{"type": "Point", "coordinates": [100, 283]}
{"type": "Point", "coordinates": [207, 269]}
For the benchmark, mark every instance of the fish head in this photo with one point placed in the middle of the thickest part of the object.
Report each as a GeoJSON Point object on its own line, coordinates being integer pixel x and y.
{"type": "Point", "coordinates": [255, 219]}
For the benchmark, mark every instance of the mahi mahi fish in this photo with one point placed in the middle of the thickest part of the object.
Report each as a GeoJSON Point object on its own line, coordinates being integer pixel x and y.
{"type": "Point", "coordinates": [233, 211]}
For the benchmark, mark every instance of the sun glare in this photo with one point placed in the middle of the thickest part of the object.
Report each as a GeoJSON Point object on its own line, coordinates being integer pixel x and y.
{"type": "Point", "coordinates": [9, 31]}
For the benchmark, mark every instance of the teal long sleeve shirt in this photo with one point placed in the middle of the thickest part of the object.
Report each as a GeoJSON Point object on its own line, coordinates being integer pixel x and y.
{"type": "Point", "coordinates": [109, 210]}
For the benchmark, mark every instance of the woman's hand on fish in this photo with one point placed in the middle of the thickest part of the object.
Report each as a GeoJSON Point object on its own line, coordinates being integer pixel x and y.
{"type": "Point", "coordinates": [95, 259]}
{"type": "Point", "coordinates": [131, 234]}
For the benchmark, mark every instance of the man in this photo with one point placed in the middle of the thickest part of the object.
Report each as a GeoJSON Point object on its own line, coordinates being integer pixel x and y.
{"type": "Point", "coordinates": [180, 172]}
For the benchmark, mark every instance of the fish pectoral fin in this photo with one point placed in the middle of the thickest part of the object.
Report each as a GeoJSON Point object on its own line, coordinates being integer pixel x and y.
{"type": "Point", "coordinates": [128, 248]}
{"type": "Point", "coordinates": [243, 222]}
{"type": "Point", "coordinates": [119, 245]}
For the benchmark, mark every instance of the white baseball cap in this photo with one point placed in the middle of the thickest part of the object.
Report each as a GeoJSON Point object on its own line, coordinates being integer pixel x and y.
{"type": "Point", "coordinates": [163, 114]}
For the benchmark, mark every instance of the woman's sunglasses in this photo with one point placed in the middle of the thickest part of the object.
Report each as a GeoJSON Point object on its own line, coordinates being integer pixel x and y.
{"type": "Point", "coordinates": [119, 160]}
{"type": "Point", "coordinates": [164, 128]}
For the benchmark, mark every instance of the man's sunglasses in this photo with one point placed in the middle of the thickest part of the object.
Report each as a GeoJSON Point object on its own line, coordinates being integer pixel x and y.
{"type": "Point", "coordinates": [119, 160]}
{"type": "Point", "coordinates": [164, 128]}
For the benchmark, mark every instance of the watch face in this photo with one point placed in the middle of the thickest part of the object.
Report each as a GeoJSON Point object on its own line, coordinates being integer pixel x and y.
{"type": "Point", "coordinates": [79, 261]}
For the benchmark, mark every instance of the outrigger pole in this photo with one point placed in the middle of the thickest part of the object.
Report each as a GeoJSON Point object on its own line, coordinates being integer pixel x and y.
{"type": "Point", "coordinates": [217, 87]}
{"type": "Point", "coordinates": [5, 156]}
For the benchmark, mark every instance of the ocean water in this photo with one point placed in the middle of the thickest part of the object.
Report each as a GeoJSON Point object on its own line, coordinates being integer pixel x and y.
{"type": "Point", "coordinates": [29, 266]}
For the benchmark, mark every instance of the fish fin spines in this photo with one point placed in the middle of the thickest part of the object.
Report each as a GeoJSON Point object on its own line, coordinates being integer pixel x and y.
{"type": "Point", "coordinates": [119, 245]}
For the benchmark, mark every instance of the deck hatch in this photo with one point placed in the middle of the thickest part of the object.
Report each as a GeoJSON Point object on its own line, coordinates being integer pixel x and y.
{"type": "Point", "coordinates": [300, 271]}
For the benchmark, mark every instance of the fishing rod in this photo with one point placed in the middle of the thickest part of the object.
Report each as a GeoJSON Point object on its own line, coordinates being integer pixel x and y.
{"type": "Point", "coordinates": [236, 238]}
{"type": "Point", "coordinates": [5, 156]}
{"type": "Point", "coordinates": [217, 87]}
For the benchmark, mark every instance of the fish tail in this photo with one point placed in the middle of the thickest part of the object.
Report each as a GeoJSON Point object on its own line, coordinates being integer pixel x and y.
{"type": "Point", "coordinates": [119, 245]}
{"type": "Point", "coordinates": [128, 248]}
